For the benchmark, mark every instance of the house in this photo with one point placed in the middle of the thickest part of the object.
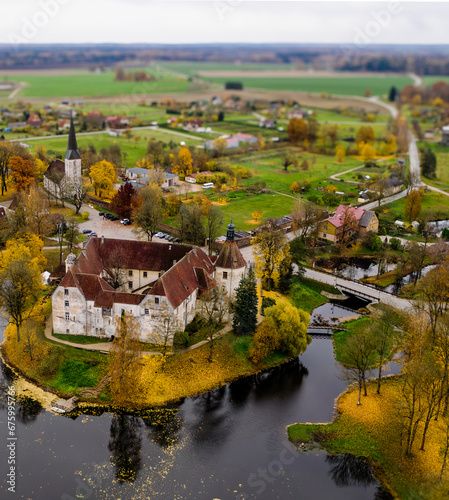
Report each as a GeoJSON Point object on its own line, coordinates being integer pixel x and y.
{"type": "Point", "coordinates": [64, 124]}
{"type": "Point", "coordinates": [192, 177]}
{"type": "Point", "coordinates": [149, 279]}
{"type": "Point", "coordinates": [34, 120]}
{"type": "Point", "coordinates": [445, 136]}
{"type": "Point", "coordinates": [267, 123]}
{"type": "Point", "coordinates": [138, 174]}
{"type": "Point", "coordinates": [233, 141]}
{"type": "Point", "coordinates": [295, 113]}
{"type": "Point", "coordinates": [62, 175]}
{"type": "Point", "coordinates": [332, 228]}
{"type": "Point", "coordinates": [368, 222]}
{"type": "Point", "coordinates": [245, 138]}
{"type": "Point", "coordinates": [15, 126]}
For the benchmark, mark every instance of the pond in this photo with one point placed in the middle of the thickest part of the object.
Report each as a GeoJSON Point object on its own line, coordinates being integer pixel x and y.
{"type": "Point", "coordinates": [357, 269]}
{"type": "Point", "coordinates": [230, 443]}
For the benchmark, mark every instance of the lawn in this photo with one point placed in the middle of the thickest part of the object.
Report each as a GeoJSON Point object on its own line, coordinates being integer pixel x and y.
{"type": "Point", "coordinates": [356, 85]}
{"type": "Point", "coordinates": [305, 293]}
{"type": "Point", "coordinates": [87, 84]}
{"type": "Point", "coordinates": [442, 173]}
{"type": "Point", "coordinates": [434, 205]}
{"type": "Point", "coordinates": [134, 150]}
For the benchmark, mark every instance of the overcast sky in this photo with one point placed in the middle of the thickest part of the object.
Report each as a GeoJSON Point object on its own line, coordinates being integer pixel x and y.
{"type": "Point", "coordinates": [128, 21]}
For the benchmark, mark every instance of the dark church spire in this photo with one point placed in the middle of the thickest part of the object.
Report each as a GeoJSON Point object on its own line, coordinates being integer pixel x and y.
{"type": "Point", "coordinates": [72, 152]}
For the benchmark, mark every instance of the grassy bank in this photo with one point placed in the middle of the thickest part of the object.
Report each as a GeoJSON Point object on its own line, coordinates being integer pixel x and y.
{"type": "Point", "coordinates": [306, 293]}
{"type": "Point", "coordinates": [373, 430]}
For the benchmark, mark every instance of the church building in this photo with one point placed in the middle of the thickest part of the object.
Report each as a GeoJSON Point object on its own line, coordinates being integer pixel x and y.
{"type": "Point", "coordinates": [63, 177]}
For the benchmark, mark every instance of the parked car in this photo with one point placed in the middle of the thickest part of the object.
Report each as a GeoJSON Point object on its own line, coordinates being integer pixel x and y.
{"type": "Point", "coordinates": [113, 218]}
{"type": "Point", "coordinates": [176, 240]}
{"type": "Point", "coordinates": [93, 235]}
{"type": "Point", "coordinates": [124, 221]}
{"type": "Point", "coordinates": [158, 235]}
{"type": "Point", "coordinates": [101, 213]}
{"type": "Point", "coordinates": [87, 231]}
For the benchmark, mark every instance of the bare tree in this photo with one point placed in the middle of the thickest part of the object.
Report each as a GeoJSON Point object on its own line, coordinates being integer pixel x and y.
{"type": "Point", "coordinates": [169, 325]}
{"type": "Point", "coordinates": [306, 219]}
{"type": "Point", "coordinates": [214, 219]}
{"type": "Point", "coordinates": [76, 193]}
{"type": "Point", "coordinates": [115, 269]}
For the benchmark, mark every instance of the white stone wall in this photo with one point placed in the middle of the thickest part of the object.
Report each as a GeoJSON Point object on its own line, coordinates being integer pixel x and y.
{"type": "Point", "coordinates": [73, 170]}
{"type": "Point", "coordinates": [232, 280]}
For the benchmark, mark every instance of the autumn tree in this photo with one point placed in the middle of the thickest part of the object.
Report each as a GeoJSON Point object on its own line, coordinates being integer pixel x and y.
{"type": "Point", "coordinates": [297, 130]}
{"type": "Point", "coordinates": [287, 161]}
{"type": "Point", "coordinates": [7, 151]}
{"type": "Point", "coordinates": [290, 323]}
{"type": "Point", "coordinates": [125, 352]}
{"type": "Point", "coordinates": [214, 220]}
{"type": "Point", "coordinates": [367, 152]}
{"type": "Point", "coordinates": [22, 172]}
{"type": "Point", "coordinates": [213, 307]}
{"type": "Point", "coordinates": [124, 200]}
{"type": "Point", "coordinates": [306, 219]}
{"type": "Point", "coordinates": [347, 229]}
{"type": "Point", "coordinates": [266, 341]}
{"type": "Point", "coordinates": [365, 134]}
{"type": "Point", "coordinates": [183, 164]}
{"type": "Point", "coordinates": [357, 357]}
{"type": "Point", "coordinates": [149, 214]}
{"type": "Point", "coordinates": [257, 215]}
{"type": "Point", "coordinates": [246, 303]}
{"type": "Point", "coordinates": [190, 221]}
{"type": "Point", "coordinates": [36, 211]}
{"type": "Point", "coordinates": [103, 176]}
{"type": "Point", "coordinates": [21, 264]}
{"type": "Point", "coordinates": [412, 205]}
{"type": "Point", "coordinates": [270, 251]}
{"type": "Point", "coordinates": [340, 154]}
{"type": "Point", "coordinates": [168, 326]}
{"type": "Point", "coordinates": [76, 194]}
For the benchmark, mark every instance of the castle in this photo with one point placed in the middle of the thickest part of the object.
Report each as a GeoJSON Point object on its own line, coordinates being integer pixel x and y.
{"type": "Point", "coordinates": [145, 279]}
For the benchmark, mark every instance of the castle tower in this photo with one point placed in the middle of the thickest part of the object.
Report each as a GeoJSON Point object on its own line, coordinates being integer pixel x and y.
{"type": "Point", "coordinates": [72, 158]}
{"type": "Point", "coordinates": [230, 265]}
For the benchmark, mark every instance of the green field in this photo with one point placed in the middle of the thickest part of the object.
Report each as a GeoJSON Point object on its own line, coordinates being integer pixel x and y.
{"type": "Point", "coordinates": [87, 84]}
{"type": "Point", "coordinates": [345, 85]}
{"type": "Point", "coordinates": [430, 80]}
{"type": "Point", "coordinates": [134, 150]}
{"type": "Point", "coordinates": [192, 67]}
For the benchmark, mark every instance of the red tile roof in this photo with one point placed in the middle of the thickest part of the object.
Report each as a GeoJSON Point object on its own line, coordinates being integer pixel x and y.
{"type": "Point", "coordinates": [338, 218]}
{"type": "Point", "coordinates": [230, 256]}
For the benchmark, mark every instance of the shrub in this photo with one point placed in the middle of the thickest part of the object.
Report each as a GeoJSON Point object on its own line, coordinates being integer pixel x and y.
{"type": "Point", "coordinates": [395, 244]}
{"type": "Point", "coordinates": [85, 216]}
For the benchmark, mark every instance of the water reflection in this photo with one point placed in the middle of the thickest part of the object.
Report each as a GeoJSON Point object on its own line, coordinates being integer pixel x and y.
{"type": "Point", "coordinates": [164, 426]}
{"type": "Point", "coordinates": [349, 470]}
{"type": "Point", "coordinates": [125, 445]}
{"type": "Point", "coordinates": [27, 409]}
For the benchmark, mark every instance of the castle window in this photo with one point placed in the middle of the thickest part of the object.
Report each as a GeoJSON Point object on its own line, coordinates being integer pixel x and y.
{"type": "Point", "coordinates": [147, 311]}
{"type": "Point", "coordinates": [145, 274]}
{"type": "Point", "coordinates": [156, 300]}
{"type": "Point", "coordinates": [130, 285]}
{"type": "Point", "coordinates": [225, 275]}
{"type": "Point", "coordinates": [130, 273]}
{"type": "Point", "coordinates": [67, 316]}
{"type": "Point", "coordinates": [66, 303]}
{"type": "Point", "coordinates": [66, 291]}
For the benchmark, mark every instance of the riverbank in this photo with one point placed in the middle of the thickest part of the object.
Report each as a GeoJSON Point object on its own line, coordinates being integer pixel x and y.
{"type": "Point", "coordinates": [373, 431]}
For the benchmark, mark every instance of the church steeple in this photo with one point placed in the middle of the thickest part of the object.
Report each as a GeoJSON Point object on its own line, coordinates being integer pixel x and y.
{"type": "Point", "coordinates": [72, 152]}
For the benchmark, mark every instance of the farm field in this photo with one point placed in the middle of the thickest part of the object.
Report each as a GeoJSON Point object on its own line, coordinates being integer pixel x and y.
{"type": "Point", "coordinates": [134, 150]}
{"type": "Point", "coordinates": [331, 85]}
{"type": "Point", "coordinates": [430, 80]}
{"type": "Point", "coordinates": [94, 84]}
{"type": "Point", "coordinates": [192, 67]}
{"type": "Point", "coordinates": [327, 115]}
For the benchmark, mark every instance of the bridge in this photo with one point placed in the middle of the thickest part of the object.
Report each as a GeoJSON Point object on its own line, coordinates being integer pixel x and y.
{"type": "Point", "coordinates": [360, 289]}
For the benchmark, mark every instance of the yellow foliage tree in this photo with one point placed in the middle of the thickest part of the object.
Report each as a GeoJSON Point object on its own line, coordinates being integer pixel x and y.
{"type": "Point", "coordinates": [295, 187]}
{"type": "Point", "coordinates": [21, 264]}
{"type": "Point", "coordinates": [412, 205]}
{"type": "Point", "coordinates": [340, 153]}
{"type": "Point", "coordinates": [331, 189]}
{"type": "Point", "coordinates": [103, 176]}
{"type": "Point", "coordinates": [257, 215]}
{"type": "Point", "coordinates": [367, 152]}
{"type": "Point", "coordinates": [266, 340]}
{"type": "Point", "coordinates": [271, 253]}
{"type": "Point", "coordinates": [22, 172]}
{"type": "Point", "coordinates": [183, 163]}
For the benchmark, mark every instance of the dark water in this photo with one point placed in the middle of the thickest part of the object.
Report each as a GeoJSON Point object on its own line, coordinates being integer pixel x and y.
{"type": "Point", "coordinates": [230, 443]}
{"type": "Point", "coordinates": [357, 269]}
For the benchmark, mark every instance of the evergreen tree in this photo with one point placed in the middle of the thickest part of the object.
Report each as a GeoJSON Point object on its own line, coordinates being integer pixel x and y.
{"type": "Point", "coordinates": [428, 163]}
{"type": "Point", "coordinates": [245, 310]}
{"type": "Point", "coordinates": [392, 94]}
